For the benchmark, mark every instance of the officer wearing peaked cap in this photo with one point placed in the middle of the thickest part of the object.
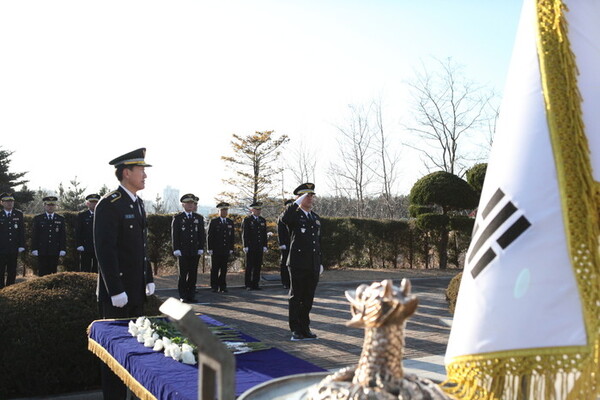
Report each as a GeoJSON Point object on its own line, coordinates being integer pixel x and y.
{"type": "Point", "coordinates": [304, 260]}
{"type": "Point", "coordinates": [84, 235]}
{"type": "Point", "coordinates": [12, 239]}
{"type": "Point", "coordinates": [254, 242]}
{"type": "Point", "coordinates": [220, 247]}
{"type": "Point", "coordinates": [188, 238]}
{"type": "Point", "coordinates": [120, 231]}
{"type": "Point", "coordinates": [49, 237]}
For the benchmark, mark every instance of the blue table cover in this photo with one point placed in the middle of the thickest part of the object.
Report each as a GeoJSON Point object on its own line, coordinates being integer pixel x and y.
{"type": "Point", "coordinates": [167, 379]}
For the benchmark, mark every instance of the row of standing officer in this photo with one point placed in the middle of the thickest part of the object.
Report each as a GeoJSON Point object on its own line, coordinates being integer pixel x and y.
{"type": "Point", "coordinates": [48, 240]}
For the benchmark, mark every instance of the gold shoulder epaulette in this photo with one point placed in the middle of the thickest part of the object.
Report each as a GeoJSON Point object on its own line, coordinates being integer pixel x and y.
{"type": "Point", "coordinates": [113, 196]}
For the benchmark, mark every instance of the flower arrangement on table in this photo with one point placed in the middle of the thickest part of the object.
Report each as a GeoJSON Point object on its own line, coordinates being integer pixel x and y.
{"type": "Point", "coordinates": [163, 336]}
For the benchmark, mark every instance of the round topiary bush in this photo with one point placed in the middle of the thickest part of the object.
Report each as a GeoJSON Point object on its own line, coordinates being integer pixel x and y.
{"type": "Point", "coordinates": [43, 338]}
{"type": "Point", "coordinates": [452, 292]}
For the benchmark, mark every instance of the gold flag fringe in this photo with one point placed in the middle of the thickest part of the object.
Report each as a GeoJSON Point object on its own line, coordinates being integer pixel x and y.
{"type": "Point", "coordinates": [137, 388]}
{"type": "Point", "coordinates": [570, 373]}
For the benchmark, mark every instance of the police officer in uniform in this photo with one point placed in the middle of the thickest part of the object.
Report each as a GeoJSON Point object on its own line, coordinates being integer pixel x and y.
{"type": "Point", "coordinates": [84, 235]}
{"type": "Point", "coordinates": [12, 239]}
{"type": "Point", "coordinates": [49, 240]}
{"type": "Point", "coordinates": [283, 236]}
{"type": "Point", "coordinates": [124, 273]}
{"type": "Point", "coordinates": [188, 238]}
{"type": "Point", "coordinates": [220, 247]}
{"type": "Point", "coordinates": [304, 259]}
{"type": "Point", "coordinates": [254, 242]}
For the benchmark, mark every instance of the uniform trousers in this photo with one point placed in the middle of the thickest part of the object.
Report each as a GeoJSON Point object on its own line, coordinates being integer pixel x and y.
{"type": "Point", "coordinates": [188, 275]}
{"type": "Point", "coordinates": [47, 265]}
{"type": "Point", "coordinates": [218, 271]}
{"type": "Point", "coordinates": [254, 259]}
{"type": "Point", "coordinates": [8, 267]}
{"type": "Point", "coordinates": [113, 387]}
{"type": "Point", "coordinates": [302, 294]}
{"type": "Point", "coordinates": [88, 262]}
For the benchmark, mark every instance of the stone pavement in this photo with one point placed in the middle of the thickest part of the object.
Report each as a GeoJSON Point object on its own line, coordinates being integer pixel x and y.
{"type": "Point", "coordinates": [263, 315]}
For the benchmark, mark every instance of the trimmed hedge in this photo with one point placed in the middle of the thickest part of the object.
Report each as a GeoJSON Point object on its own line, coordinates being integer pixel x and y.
{"type": "Point", "coordinates": [346, 242]}
{"type": "Point", "coordinates": [43, 340]}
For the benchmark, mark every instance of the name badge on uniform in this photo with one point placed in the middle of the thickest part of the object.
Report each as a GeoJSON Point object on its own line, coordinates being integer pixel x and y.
{"type": "Point", "coordinates": [16, 226]}
{"type": "Point", "coordinates": [129, 216]}
{"type": "Point", "coordinates": [230, 226]}
{"type": "Point", "coordinates": [196, 221]}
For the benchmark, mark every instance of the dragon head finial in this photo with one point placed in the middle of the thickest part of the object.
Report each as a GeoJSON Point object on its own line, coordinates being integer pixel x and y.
{"type": "Point", "coordinates": [381, 303]}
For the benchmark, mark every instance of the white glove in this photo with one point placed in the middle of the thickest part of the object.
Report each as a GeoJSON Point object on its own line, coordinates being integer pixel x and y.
{"type": "Point", "coordinates": [265, 249]}
{"type": "Point", "coordinates": [34, 253]}
{"type": "Point", "coordinates": [321, 269]}
{"type": "Point", "coordinates": [300, 199]}
{"type": "Point", "coordinates": [62, 253]}
{"type": "Point", "coordinates": [283, 247]}
{"type": "Point", "coordinates": [21, 249]}
{"type": "Point", "coordinates": [245, 249]}
{"type": "Point", "coordinates": [200, 252]}
{"type": "Point", "coordinates": [230, 251]}
{"type": "Point", "coordinates": [119, 300]}
{"type": "Point", "coordinates": [209, 252]}
{"type": "Point", "coordinates": [150, 287]}
{"type": "Point", "coordinates": [80, 248]}
{"type": "Point", "coordinates": [177, 253]}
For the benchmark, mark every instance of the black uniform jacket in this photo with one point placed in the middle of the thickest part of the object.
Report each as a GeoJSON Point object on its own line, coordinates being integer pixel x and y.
{"type": "Point", "coordinates": [283, 235]}
{"type": "Point", "coordinates": [84, 231]}
{"type": "Point", "coordinates": [49, 236]}
{"type": "Point", "coordinates": [305, 238]}
{"type": "Point", "coordinates": [220, 236]}
{"type": "Point", "coordinates": [254, 233]}
{"type": "Point", "coordinates": [120, 240]}
{"type": "Point", "coordinates": [188, 234]}
{"type": "Point", "coordinates": [12, 232]}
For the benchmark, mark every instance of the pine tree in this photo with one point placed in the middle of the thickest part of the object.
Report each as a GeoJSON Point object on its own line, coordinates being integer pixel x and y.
{"type": "Point", "coordinates": [254, 165]}
{"type": "Point", "coordinates": [72, 199]}
{"type": "Point", "coordinates": [9, 181]}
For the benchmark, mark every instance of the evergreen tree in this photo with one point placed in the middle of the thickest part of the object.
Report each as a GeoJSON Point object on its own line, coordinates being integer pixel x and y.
{"type": "Point", "coordinates": [9, 181]}
{"type": "Point", "coordinates": [254, 166]}
{"type": "Point", "coordinates": [73, 198]}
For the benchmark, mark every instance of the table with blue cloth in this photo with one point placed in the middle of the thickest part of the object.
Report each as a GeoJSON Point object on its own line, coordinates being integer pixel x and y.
{"type": "Point", "coordinates": [150, 375]}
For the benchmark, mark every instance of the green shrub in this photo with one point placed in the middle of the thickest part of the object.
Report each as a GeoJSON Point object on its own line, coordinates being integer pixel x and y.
{"type": "Point", "coordinates": [452, 292]}
{"type": "Point", "coordinates": [43, 339]}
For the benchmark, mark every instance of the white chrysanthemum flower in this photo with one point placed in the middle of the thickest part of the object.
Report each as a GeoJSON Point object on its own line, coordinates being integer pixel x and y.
{"type": "Point", "coordinates": [187, 357]}
{"type": "Point", "coordinates": [155, 335]}
{"type": "Point", "coordinates": [149, 342]}
{"type": "Point", "coordinates": [140, 322]}
{"type": "Point", "coordinates": [133, 329]}
{"type": "Point", "coordinates": [186, 347]}
{"type": "Point", "coordinates": [175, 352]}
{"type": "Point", "coordinates": [158, 345]}
{"type": "Point", "coordinates": [140, 338]}
{"type": "Point", "coordinates": [166, 341]}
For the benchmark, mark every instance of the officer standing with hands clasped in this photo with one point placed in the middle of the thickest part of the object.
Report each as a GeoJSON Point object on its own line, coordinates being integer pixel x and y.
{"type": "Point", "coordinates": [124, 273]}
{"type": "Point", "coordinates": [283, 236]}
{"type": "Point", "coordinates": [304, 260]}
{"type": "Point", "coordinates": [84, 235]}
{"type": "Point", "coordinates": [12, 239]}
{"type": "Point", "coordinates": [49, 240]}
{"type": "Point", "coordinates": [254, 242]}
{"type": "Point", "coordinates": [188, 237]}
{"type": "Point", "coordinates": [220, 247]}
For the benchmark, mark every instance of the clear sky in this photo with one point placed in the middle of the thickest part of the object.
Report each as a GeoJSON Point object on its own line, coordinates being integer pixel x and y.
{"type": "Point", "coordinates": [82, 82]}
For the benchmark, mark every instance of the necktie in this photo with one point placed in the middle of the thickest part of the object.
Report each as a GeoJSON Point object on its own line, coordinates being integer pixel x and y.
{"type": "Point", "coordinates": [7, 215]}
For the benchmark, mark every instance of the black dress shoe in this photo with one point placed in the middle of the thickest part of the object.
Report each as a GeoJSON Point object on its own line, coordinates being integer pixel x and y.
{"type": "Point", "coordinates": [296, 336]}
{"type": "Point", "coordinates": [214, 290]}
{"type": "Point", "coordinates": [248, 288]}
{"type": "Point", "coordinates": [192, 300]}
{"type": "Point", "coordinates": [223, 290]}
{"type": "Point", "coordinates": [286, 287]}
{"type": "Point", "coordinates": [257, 288]}
{"type": "Point", "coordinates": [309, 335]}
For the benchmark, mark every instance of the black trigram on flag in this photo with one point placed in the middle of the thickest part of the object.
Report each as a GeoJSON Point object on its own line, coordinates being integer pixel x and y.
{"type": "Point", "coordinates": [495, 230]}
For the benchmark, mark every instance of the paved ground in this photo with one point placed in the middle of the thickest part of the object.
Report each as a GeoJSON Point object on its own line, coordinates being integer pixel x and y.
{"type": "Point", "coordinates": [263, 315]}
